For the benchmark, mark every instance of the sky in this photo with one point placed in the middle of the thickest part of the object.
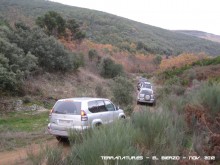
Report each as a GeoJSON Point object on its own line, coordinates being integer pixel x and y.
{"type": "Point", "coordinates": [202, 15]}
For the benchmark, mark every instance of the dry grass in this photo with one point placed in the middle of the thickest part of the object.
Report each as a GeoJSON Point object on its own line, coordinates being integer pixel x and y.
{"type": "Point", "coordinates": [56, 86]}
{"type": "Point", "coordinates": [11, 140]}
{"type": "Point", "coordinates": [204, 72]}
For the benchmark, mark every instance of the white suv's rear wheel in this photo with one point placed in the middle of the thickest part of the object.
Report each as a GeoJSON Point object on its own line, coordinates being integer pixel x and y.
{"type": "Point", "coordinates": [62, 139]}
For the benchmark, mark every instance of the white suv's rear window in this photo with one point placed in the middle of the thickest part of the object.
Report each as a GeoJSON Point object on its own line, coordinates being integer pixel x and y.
{"type": "Point", "coordinates": [67, 107]}
{"type": "Point", "coordinates": [146, 92]}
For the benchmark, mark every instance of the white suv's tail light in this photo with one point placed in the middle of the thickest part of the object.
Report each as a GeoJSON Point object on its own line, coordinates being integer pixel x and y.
{"type": "Point", "coordinates": [84, 116]}
{"type": "Point", "coordinates": [141, 95]}
{"type": "Point", "coordinates": [51, 111]}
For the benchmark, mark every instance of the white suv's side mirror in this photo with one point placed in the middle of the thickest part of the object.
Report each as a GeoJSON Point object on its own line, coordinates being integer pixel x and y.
{"type": "Point", "coordinates": [117, 108]}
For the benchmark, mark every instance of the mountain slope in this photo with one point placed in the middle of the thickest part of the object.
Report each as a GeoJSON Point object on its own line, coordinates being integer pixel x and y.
{"type": "Point", "coordinates": [200, 34]}
{"type": "Point", "coordinates": [106, 28]}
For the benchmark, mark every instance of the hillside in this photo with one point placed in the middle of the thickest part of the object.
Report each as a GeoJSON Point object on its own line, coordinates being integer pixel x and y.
{"type": "Point", "coordinates": [105, 28]}
{"type": "Point", "coordinates": [200, 34]}
{"type": "Point", "coordinates": [38, 67]}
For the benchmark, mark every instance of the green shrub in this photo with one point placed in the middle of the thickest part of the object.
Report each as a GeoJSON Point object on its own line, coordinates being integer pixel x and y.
{"type": "Point", "coordinates": [36, 158]}
{"type": "Point", "coordinates": [100, 91]}
{"type": "Point", "coordinates": [109, 69]}
{"type": "Point", "coordinates": [51, 54]}
{"type": "Point", "coordinates": [207, 95]}
{"type": "Point", "coordinates": [128, 109]}
{"type": "Point", "coordinates": [48, 155]}
{"type": "Point", "coordinates": [122, 90]}
{"type": "Point", "coordinates": [159, 133]}
{"type": "Point", "coordinates": [157, 60]}
{"type": "Point", "coordinates": [75, 137]}
{"type": "Point", "coordinates": [27, 99]}
{"type": "Point", "coordinates": [92, 54]}
{"type": "Point", "coordinates": [8, 81]}
{"type": "Point", "coordinates": [54, 156]}
{"type": "Point", "coordinates": [205, 62]}
{"type": "Point", "coordinates": [53, 23]}
{"type": "Point", "coordinates": [24, 51]}
{"type": "Point", "coordinates": [78, 60]}
{"type": "Point", "coordinates": [110, 140]}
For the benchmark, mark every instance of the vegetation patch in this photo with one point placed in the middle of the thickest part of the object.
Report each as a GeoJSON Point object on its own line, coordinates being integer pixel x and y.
{"type": "Point", "coordinates": [24, 121]}
{"type": "Point", "coordinates": [22, 128]}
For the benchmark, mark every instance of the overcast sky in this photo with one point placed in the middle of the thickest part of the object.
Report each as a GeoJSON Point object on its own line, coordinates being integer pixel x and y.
{"type": "Point", "coordinates": [202, 15]}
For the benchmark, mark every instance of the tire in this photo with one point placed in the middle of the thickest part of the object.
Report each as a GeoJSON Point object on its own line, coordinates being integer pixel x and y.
{"type": "Point", "coordinates": [147, 97]}
{"type": "Point", "coordinates": [98, 125]}
{"type": "Point", "coordinates": [62, 139]}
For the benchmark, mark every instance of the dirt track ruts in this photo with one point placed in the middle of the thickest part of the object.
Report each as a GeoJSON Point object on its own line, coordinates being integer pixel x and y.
{"type": "Point", "coordinates": [19, 155]}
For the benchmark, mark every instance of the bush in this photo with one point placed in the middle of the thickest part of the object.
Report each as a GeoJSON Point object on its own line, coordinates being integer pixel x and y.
{"type": "Point", "coordinates": [172, 86]}
{"type": "Point", "coordinates": [92, 54]}
{"type": "Point", "coordinates": [100, 91]}
{"type": "Point", "coordinates": [78, 60]}
{"type": "Point", "coordinates": [109, 69]}
{"type": "Point", "coordinates": [54, 156]}
{"type": "Point", "coordinates": [122, 90]}
{"type": "Point", "coordinates": [25, 51]}
{"type": "Point", "coordinates": [208, 95]}
{"type": "Point", "coordinates": [109, 140]}
{"type": "Point", "coordinates": [53, 23]}
{"type": "Point", "coordinates": [8, 80]}
{"type": "Point", "coordinates": [51, 54]}
{"type": "Point", "coordinates": [159, 133]}
{"type": "Point", "coordinates": [76, 137]}
{"type": "Point", "coordinates": [128, 109]}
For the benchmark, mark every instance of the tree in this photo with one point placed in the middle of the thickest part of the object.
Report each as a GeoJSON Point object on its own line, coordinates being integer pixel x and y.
{"type": "Point", "coordinates": [76, 33]}
{"type": "Point", "coordinates": [157, 60]}
{"type": "Point", "coordinates": [109, 69]}
{"type": "Point", "coordinates": [52, 23]}
{"type": "Point", "coordinates": [92, 54]}
{"type": "Point", "coordinates": [122, 90]}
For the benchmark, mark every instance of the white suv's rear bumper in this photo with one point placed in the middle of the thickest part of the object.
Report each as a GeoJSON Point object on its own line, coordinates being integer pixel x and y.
{"type": "Point", "coordinates": [64, 132]}
{"type": "Point", "coordinates": [145, 101]}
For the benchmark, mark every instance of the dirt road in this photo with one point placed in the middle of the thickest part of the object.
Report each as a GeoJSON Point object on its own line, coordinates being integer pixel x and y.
{"type": "Point", "coordinates": [19, 155]}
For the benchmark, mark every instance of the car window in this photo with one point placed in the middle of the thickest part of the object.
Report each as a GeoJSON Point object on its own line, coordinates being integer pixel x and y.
{"type": "Point", "coordinates": [93, 107]}
{"type": "Point", "coordinates": [109, 105]}
{"type": "Point", "coordinates": [146, 92]}
{"type": "Point", "coordinates": [147, 86]}
{"type": "Point", "coordinates": [67, 107]}
{"type": "Point", "coordinates": [101, 106]}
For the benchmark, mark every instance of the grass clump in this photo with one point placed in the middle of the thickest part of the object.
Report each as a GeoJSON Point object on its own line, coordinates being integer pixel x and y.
{"type": "Point", "coordinates": [20, 121]}
{"type": "Point", "coordinates": [110, 140]}
{"type": "Point", "coordinates": [159, 133]}
{"type": "Point", "coordinates": [54, 156]}
{"type": "Point", "coordinates": [46, 155]}
{"type": "Point", "coordinates": [208, 96]}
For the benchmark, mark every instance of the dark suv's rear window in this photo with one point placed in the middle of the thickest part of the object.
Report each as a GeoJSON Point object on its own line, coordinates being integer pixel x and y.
{"type": "Point", "coordinates": [67, 107]}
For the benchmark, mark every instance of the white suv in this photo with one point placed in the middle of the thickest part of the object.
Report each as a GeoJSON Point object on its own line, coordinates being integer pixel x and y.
{"type": "Point", "coordinates": [81, 113]}
{"type": "Point", "coordinates": [146, 95]}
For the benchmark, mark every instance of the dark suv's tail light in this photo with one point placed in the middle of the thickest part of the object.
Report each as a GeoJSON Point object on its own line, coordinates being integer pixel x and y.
{"type": "Point", "coordinates": [84, 116]}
